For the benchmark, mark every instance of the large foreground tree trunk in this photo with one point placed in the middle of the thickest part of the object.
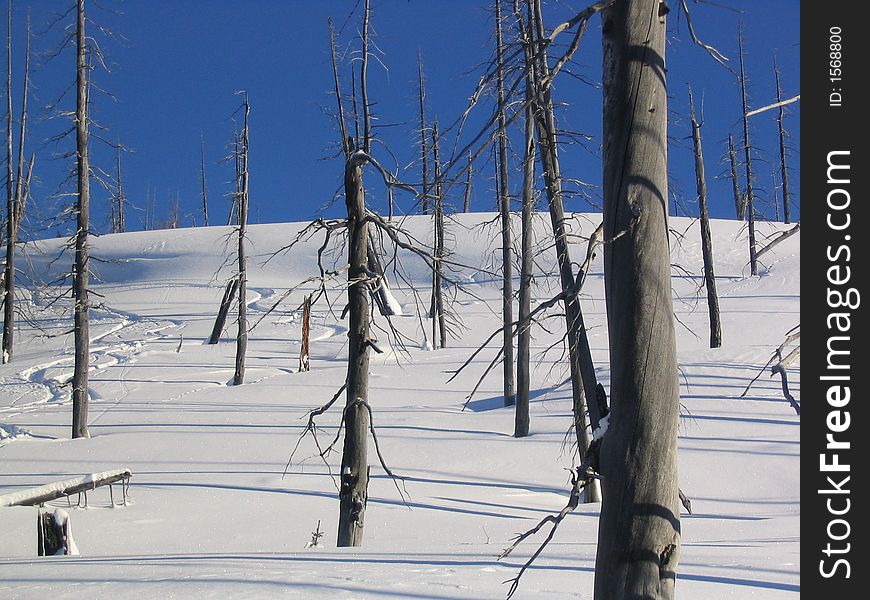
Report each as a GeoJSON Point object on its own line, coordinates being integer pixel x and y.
{"type": "Point", "coordinates": [353, 494]}
{"type": "Point", "coordinates": [80, 268]}
{"type": "Point", "coordinates": [639, 531]}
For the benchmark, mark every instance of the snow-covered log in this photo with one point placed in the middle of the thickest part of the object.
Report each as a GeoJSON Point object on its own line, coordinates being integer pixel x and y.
{"type": "Point", "coordinates": [58, 489]}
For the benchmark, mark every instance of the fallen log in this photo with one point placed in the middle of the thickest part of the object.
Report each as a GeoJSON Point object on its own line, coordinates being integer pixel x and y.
{"type": "Point", "coordinates": [45, 493]}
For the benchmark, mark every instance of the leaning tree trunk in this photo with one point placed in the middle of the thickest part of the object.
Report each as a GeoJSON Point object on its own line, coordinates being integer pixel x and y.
{"type": "Point", "coordinates": [706, 242]}
{"type": "Point", "coordinates": [639, 529]}
{"type": "Point", "coordinates": [242, 336]}
{"type": "Point", "coordinates": [80, 268]}
{"type": "Point", "coordinates": [353, 493]}
{"type": "Point", "coordinates": [739, 202]}
{"type": "Point", "coordinates": [504, 208]}
{"type": "Point", "coordinates": [583, 381]}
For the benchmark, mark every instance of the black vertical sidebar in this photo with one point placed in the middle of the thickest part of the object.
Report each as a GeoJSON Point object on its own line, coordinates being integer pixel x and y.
{"type": "Point", "coordinates": [835, 425]}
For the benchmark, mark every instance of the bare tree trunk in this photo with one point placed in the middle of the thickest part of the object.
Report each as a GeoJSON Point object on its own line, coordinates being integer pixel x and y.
{"type": "Point", "coordinates": [304, 355]}
{"type": "Point", "coordinates": [424, 144]}
{"type": "Point", "coordinates": [345, 140]}
{"type": "Point", "coordinates": [226, 302]}
{"type": "Point", "coordinates": [202, 179]}
{"type": "Point", "coordinates": [524, 335]}
{"type": "Point", "coordinates": [439, 326]}
{"type": "Point", "coordinates": [242, 337]}
{"type": "Point", "coordinates": [639, 530]}
{"type": "Point", "coordinates": [583, 382]}
{"type": "Point", "coordinates": [504, 207]}
{"type": "Point", "coordinates": [750, 200]}
{"type": "Point", "coordinates": [466, 203]}
{"type": "Point", "coordinates": [81, 268]}
{"type": "Point", "coordinates": [121, 226]}
{"type": "Point", "coordinates": [706, 242]}
{"type": "Point", "coordinates": [783, 166]}
{"type": "Point", "coordinates": [9, 267]}
{"type": "Point", "coordinates": [739, 201]}
{"type": "Point", "coordinates": [353, 493]}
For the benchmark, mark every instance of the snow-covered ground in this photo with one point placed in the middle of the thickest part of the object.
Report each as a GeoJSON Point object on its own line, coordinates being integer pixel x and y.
{"type": "Point", "coordinates": [213, 512]}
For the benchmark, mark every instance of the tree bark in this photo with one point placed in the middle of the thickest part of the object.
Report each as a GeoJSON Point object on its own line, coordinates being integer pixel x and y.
{"type": "Point", "coordinates": [639, 529]}
{"type": "Point", "coordinates": [242, 337]}
{"type": "Point", "coordinates": [504, 207]}
{"type": "Point", "coordinates": [353, 493]}
{"type": "Point", "coordinates": [706, 241]}
{"type": "Point", "coordinates": [466, 203]}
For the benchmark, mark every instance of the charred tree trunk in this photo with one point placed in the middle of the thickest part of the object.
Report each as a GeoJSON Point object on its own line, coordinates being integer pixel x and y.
{"type": "Point", "coordinates": [81, 267]}
{"type": "Point", "coordinates": [439, 326]}
{"type": "Point", "coordinates": [424, 143]}
{"type": "Point", "coordinates": [224, 311]}
{"type": "Point", "coordinates": [783, 165]}
{"type": "Point", "coordinates": [466, 203]}
{"type": "Point", "coordinates": [739, 202]}
{"type": "Point", "coordinates": [747, 152]}
{"type": "Point", "coordinates": [639, 530]}
{"type": "Point", "coordinates": [706, 242]}
{"type": "Point", "coordinates": [9, 266]}
{"type": "Point", "coordinates": [504, 207]}
{"type": "Point", "coordinates": [524, 335]}
{"type": "Point", "coordinates": [242, 337]}
{"type": "Point", "coordinates": [202, 181]}
{"type": "Point", "coordinates": [353, 493]}
{"type": "Point", "coordinates": [583, 381]}
{"type": "Point", "coordinates": [304, 355]}
{"type": "Point", "coordinates": [119, 195]}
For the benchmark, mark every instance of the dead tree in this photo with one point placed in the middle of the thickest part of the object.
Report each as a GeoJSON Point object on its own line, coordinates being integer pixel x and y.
{"type": "Point", "coordinates": [15, 195]}
{"type": "Point", "coordinates": [466, 203]}
{"type": "Point", "coordinates": [439, 326]}
{"type": "Point", "coordinates": [639, 531]}
{"type": "Point", "coordinates": [739, 200]}
{"type": "Point", "coordinates": [583, 380]}
{"type": "Point", "coordinates": [242, 336]}
{"type": "Point", "coordinates": [424, 144]}
{"type": "Point", "coordinates": [304, 355]}
{"type": "Point", "coordinates": [504, 209]}
{"type": "Point", "coordinates": [353, 493]}
{"type": "Point", "coordinates": [223, 312]}
{"type": "Point", "coordinates": [524, 335]}
{"type": "Point", "coordinates": [203, 187]}
{"type": "Point", "coordinates": [747, 152]}
{"type": "Point", "coordinates": [119, 226]}
{"type": "Point", "coordinates": [783, 165]}
{"type": "Point", "coordinates": [81, 267]}
{"type": "Point", "coordinates": [706, 242]}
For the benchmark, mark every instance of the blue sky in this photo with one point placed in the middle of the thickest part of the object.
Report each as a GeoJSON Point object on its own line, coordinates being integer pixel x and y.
{"type": "Point", "coordinates": [176, 65]}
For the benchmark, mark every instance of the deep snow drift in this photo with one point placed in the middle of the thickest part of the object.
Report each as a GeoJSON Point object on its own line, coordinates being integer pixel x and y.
{"type": "Point", "coordinates": [212, 512]}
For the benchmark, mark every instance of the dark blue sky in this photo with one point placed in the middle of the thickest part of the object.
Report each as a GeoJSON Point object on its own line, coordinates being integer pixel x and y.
{"type": "Point", "coordinates": [176, 65]}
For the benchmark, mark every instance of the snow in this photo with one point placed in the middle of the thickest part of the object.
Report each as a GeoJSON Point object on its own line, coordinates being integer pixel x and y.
{"type": "Point", "coordinates": [213, 513]}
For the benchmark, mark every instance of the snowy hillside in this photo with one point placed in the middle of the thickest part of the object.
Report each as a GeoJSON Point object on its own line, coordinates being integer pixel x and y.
{"type": "Point", "coordinates": [212, 512]}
